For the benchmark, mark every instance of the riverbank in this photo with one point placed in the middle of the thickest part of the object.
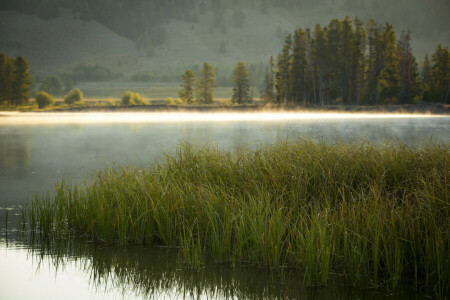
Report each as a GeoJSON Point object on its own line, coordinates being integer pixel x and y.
{"type": "Point", "coordinates": [375, 215]}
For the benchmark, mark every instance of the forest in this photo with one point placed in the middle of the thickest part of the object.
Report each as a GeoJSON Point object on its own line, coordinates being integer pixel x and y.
{"type": "Point", "coordinates": [347, 62]}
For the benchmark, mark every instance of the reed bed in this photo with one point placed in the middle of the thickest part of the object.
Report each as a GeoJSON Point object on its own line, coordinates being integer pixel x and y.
{"type": "Point", "coordinates": [374, 215]}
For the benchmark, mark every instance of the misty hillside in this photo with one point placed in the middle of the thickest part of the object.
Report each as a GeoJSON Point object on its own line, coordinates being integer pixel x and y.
{"type": "Point", "coordinates": [250, 31]}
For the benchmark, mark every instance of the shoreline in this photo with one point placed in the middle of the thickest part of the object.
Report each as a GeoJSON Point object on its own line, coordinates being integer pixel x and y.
{"type": "Point", "coordinates": [423, 108]}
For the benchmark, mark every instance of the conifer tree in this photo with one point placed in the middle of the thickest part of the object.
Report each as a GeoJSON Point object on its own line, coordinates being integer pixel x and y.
{"type": "Point", "coordinates": [188, 85]}
{"type": "Point", "coordinates": [441, 74]}
{"type": "Point", "coordinates": [298, 67]}
{"type": "Point", "coordinates": [268, 93]}
{"type": "Point", "coordinates": [408, 71]}
{"type": "Point", "coordinates": [348, 42]}
{"type": "Point", "coordinates": [22, 82]}
{"type": "Point", "coordinates": [426, 79]}
{"type": "Point", "coordinates": [358, 63]}
{"type": "Point", "coordinates": [241, 85]}
{"type": "Point", "coordinates": [283, 65]}
{"type": "Point", "coordinates": [389, 82]}
{"type": "Point", "coordinates": [320, 65]}
{"type": "Point", "coordinates": [206, 84]}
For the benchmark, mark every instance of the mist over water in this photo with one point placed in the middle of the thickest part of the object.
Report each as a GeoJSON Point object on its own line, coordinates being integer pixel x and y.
{"type": "Point", "coordinates": [37, 150]}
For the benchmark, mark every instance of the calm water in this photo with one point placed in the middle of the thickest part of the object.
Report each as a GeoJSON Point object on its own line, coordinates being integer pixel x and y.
{"type": "Point", "coordinates": [37, 150]}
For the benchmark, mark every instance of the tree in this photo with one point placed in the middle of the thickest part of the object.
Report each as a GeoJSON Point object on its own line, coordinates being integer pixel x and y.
{"type": "Point", "coordinates": [441, 74]}
{"type": "Point", "coordinates": [188, 86]}
{"type": "Point", "coordinates": [298, 67]}
{"type": "Point", "coordinates": [320, 66]}
{"type": "Point", "coordinates": [241, 84]}
{"type": "Point", "coordinates": [426, 80]}
{"type": "Point", "coordinates": [52, 85]}
{"type": "Point", "coordinates": [358, 63]}
{"type": "Point", "coordinates": [6, 77]}
{"type": "Point", "coordinates": [283, 65]}
{"type": "Point", "coordinates": [206, 84]}
{"type": "Point", "coordinates": [44, 99]}
{"type": "Point", "coordinates": [409, 84]}
{"type": "Point", "coordinates": [267, 93]}
{"type": "Point", "coordinates": [74, 96]}
{"type": "Point", "coordinates": [22, 82]}
{"type": "Point", "coordinates": [389, 81]}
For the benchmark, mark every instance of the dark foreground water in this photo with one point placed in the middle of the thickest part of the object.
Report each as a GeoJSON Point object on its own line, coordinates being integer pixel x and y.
{"type": "Point", "coordinates": [38, 150]}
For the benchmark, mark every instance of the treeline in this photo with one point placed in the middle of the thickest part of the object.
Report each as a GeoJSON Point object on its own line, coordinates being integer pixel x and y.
{"type": "Point", "coordinates": [14, 80]}
{"type": "Point", "coordinates": [348, 63]}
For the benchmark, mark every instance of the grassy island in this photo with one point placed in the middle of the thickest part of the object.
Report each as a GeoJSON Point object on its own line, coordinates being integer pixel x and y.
{"type": "Point", "coordinates": [377, 215]}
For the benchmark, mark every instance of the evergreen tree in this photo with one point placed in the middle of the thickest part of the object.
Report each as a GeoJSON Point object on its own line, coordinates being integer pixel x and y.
{"type": "Point", "coordinates": [320, 65]}
{"type": "Point", "coordinates": [408, 71]}
{"type": "Point", "coordinates": [426, 80]}
{"type": "Point", "coordinates": [21, 83]}
{"type": "Point", "coordinates": [441, 75]}
{"type": "Point", "coordinates": [298, 67]}
{"type": "Point", "coordinates": [188, 85]}
{"type": "Point", "coordinates": [358, 63]}
{"type": "Point", "coordinates": [374, 63]}
{"type": "Point", "coordinates": [206, 84]}
{"type": "Point", "coordinates": [241, 86]}
{"type": "Point", "coordinates": [348, 51]}
{"type": "Point", "coordinates": [282, 75]}
{"type": "Point", "coordinates": [389, 82]}
{"type": "Point", "coordinates": [334, 45]}
{"type": "Point", "coordinates": [267, 93]}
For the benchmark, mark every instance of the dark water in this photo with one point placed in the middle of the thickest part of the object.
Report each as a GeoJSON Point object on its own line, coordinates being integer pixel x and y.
{"type": "Point", "coordinates": [34, 156]}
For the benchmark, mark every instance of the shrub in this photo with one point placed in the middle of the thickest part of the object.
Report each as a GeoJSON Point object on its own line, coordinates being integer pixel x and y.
{"type": "Point", "coordinates": [74, 96]}
{"type": "Point", "coordinates": [44, 99]}
{"type": "Point", "coordinates": [169, 101]}
{"type": "Point", "coordinates": [131, 98]}
{"type": "Point", "coordinates": [179, 101]}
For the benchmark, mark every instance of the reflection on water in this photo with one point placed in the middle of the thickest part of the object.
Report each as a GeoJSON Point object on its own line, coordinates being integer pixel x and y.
{"type": "Point", "coordinates": [86, 271]}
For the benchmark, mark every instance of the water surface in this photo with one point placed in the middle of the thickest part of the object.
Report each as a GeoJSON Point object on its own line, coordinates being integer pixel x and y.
{"type": "Point", "coordinates": [38, 149]}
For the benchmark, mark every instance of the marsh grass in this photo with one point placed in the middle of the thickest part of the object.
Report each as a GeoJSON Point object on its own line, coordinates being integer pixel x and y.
{"type": "Point", "coordinates": [377, 215]}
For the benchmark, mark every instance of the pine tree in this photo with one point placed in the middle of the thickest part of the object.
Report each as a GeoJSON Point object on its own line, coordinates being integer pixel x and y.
{"type": "Point", "coordinates": [188, 85]}
{"type": "Point", "coordinates": [334, 44]}
{"type": "Point", "coordinates": [282, 75]}
{"type": "Point", "coordinates": [348, 41]}
{"type": "Point", "coordinates": [389, 82]}
{"type": "Point", "coordinates": [268, 93]}
{"type": "Point", "coordinates": [21, 83]}
{"type": "Point", "coordinates": [3, 70]}
{"type": "Point", "coordinates": [298, 67]}
{"type": "Point", "coordinates": [206, 84]}
{"type": "Point", "coordinates": [320, 65]}
{"type": "Point", "coordinates": [426, 80]}
{"type": "Point", "coordinates": [441, 74]}
{"type": "Point", "coordinates": [358, 63]}
{"type": "Point", "coordinates": [408, 70]}
{"type": "Point", "coordinates": [241, 86]}
{"type": "Point", "coordinates": [374, 63]}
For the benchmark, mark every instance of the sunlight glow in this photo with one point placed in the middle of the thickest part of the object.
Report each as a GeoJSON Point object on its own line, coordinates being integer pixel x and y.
{"type": "Point", "coordinates": [18, 118]}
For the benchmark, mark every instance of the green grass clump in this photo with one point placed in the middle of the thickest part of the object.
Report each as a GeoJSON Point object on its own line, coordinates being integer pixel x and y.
{"type": "Point", "coordinates": [377, 215]}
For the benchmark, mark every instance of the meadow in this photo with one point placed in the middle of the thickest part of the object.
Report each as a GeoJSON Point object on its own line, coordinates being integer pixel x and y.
{"type": "Point", "coordinates": [376, 215]}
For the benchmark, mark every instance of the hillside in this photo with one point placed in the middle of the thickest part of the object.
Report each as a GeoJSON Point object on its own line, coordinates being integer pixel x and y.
{"type": "Point", "coordinates": [59, 44]}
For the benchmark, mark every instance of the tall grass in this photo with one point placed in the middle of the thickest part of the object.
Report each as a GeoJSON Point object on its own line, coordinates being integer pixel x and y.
{"type": "Point", "coordinates": [378, 215]}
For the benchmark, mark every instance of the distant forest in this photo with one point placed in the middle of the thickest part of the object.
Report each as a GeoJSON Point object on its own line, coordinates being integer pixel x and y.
{"type": "Point", "coordinates": [143, 20]}
{"type": "Point", "coordinates": [349, 62]}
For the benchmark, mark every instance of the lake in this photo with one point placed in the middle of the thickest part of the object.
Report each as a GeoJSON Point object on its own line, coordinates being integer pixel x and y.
{"type": "Point", "coordinates": [38, 149]}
